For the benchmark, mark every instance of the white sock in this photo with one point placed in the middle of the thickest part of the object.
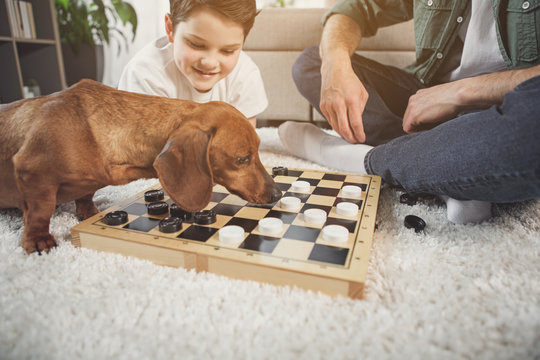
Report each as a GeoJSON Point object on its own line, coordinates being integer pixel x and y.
{"type": "Point", "coordinates": [466, 211]}
{"type": "Point", "coordinates": [309, 142]}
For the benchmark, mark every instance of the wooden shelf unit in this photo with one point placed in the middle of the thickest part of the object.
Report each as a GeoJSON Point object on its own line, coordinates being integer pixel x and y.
{"type": "Point", "coordinates": [23, 59]}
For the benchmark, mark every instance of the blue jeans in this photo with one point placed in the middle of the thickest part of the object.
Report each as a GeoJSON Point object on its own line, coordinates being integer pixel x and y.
{"type": "Point", "coordinates": [489, 155]}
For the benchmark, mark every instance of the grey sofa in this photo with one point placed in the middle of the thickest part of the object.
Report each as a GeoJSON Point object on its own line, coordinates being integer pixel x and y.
{"type": "Point", "coordinates": [278, 37]}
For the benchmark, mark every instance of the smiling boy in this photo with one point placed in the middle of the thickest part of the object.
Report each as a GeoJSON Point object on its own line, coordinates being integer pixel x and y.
{"type": "Point", "coordinates": [201, 58]}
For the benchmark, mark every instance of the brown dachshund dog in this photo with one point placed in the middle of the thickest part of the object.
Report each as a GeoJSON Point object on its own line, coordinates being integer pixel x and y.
{"type": "Point", "coordinates": [65, 146]}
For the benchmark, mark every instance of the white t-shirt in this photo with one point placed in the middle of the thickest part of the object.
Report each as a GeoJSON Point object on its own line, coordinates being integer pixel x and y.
{"type": "Point", "coordinates": [153, 71]}
{"type": "Point", "coordinates": [481, 53]}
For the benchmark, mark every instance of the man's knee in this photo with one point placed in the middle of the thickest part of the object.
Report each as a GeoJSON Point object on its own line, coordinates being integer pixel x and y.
{"type": "Point", "coordinates": [521, 106]}
{"type": "Point", "coordinates": [306, 69]}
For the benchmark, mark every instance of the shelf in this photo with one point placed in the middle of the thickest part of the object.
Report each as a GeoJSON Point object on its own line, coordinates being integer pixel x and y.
{"type": "Point", "coordinates": [43, 17]}
{"type": "Point", "coordinates": [33, 59]}
{"type": "Point", "coordinates": [4, 20]}
{"type": "Point", "coordinates": [35, 41]}
{"type": "Point", "coordinates": [23, 59]}
{"type": "Point", "coordinates": [30, 41]}
{"type": "Point", "coordinates": [10, 86]}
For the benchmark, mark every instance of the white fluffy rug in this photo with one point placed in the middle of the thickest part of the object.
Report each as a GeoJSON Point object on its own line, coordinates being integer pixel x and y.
{"type": "Point", "coordinates": [454, 292]}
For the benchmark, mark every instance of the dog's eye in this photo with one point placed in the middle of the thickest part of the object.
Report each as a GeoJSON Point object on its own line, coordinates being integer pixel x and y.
{"type": "Point", "coordinates": [243, 160]}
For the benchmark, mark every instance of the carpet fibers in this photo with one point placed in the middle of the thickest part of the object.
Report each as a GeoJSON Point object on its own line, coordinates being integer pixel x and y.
{"type": "Point", "coordinates": [452, 292]}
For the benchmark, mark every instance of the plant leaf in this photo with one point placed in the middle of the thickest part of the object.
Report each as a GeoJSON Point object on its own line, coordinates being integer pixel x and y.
{"type": "Point", "coordinates": [126, 13]}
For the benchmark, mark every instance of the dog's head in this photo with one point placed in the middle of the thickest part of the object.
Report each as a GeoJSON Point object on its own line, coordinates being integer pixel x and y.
{"type": "Point", "coordinates": [216, 145]}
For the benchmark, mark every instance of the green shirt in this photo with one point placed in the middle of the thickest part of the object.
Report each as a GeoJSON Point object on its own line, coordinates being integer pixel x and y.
{"type": "Point", "coordinates": [436, 27]}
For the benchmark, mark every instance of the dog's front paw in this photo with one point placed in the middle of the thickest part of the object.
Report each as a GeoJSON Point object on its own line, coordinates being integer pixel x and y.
{"type": "Point", "coordinates": [40, 244]}
{"type": "Point", "coordinates": [83, 214]}
{"type": "Point", "coordinates": [85, 208]}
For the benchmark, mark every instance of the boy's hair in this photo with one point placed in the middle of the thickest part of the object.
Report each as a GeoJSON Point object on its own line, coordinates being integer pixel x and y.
{"type": "Point", "coordinates": [242, 12]}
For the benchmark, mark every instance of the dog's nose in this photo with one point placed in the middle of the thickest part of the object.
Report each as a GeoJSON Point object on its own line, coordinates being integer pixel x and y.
{"type": "Point", "coordinates": [275, 195]}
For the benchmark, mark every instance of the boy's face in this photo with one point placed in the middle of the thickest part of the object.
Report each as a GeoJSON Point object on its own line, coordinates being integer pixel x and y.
{"type": "Point", "coordinates": [206, 47]}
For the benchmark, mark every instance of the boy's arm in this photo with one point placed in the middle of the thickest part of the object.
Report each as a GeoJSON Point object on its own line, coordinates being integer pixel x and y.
{"type": "Point", "coordinates": [432, 106]}
{"type": "Point", "coordinates": [253, 121]}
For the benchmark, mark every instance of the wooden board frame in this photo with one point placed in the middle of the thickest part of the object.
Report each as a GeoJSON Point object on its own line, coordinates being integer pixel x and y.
{"type": "Point", "coordinates": [245, 264]}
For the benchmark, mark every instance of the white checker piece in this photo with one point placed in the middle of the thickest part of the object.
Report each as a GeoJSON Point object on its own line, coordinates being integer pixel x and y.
{"type": "Point", "coordinates": [290, 203]}
{"type": "Point", "coordinates": [347, 209]}
{"type": "Point", "coordinates": [351, 191]}
{"type": "Point", "coordinates": [300, 186]}
{"type": "Point", "coordinates": [231, 234]}
{"type": "Point", "coordinates": [315, 216]}
{"type": "Point", "coordinates": [270, 226]}
{"type": "Point", "coordinates": [335, 233]}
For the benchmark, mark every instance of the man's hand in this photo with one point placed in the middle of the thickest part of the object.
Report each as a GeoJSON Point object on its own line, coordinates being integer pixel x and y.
{"type": "Point", "coordinates": [343, 98]}
{"type": "Point", "coordinates": [431, 106]}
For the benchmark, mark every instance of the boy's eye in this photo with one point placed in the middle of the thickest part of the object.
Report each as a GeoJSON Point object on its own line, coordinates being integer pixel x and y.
{"type": "Point", "coordinates": [228, 52]}
{"type": "Point", "coordinates": [194, 45]}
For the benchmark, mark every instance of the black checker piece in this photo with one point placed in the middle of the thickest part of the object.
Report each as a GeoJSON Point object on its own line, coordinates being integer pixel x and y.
{"type": "Point", "coordinates": [286, 217]}
{"type": "Point", "coordinates": [349, 224]}
{"type": "Point", "coordinates": [335, 177]}
{"type": "Point", "coordinates": [326, 191]}
{"type": "Point", "coordinates": [154, 195]}
{"type": "Point", "coordinates": [116, 218]}
{"type": "Point", "coordinates": [260, 243]}
{"type": "Point", "coordinates": [143, 224]}
{"type": "Point", "coordinates": [280, 170]}
{"type": "Point", "coordinates": [157, 208]}
{"type": "Point", "coordinates": [136, 209]}
{"type": "Point", "coordinates": [302, 233]}
{"type": "Point", "coordinates": [226, 209]}
{"type": "Point", "coordinates": [329, 254]}
{"type": "Point", "coordinates": [198, 233]}
{"type": "Point", "coordinates": [247, 224]}
{"type": "Point", "coordinates": [178, 212]}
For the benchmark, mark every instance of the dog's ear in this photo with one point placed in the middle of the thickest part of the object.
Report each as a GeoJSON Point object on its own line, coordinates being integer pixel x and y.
{"type": "Point", "coordinates": [183, 168]}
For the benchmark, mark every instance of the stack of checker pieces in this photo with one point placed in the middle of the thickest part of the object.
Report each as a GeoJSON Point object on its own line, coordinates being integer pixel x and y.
{"type": "Point", "coordinates": [296, 256]}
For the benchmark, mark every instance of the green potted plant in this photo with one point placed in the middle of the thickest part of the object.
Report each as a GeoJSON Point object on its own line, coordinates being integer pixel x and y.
{"type": "Point", "coordinates": [279, 3]}
{"type": "Point", "coordinates": [85, 26]}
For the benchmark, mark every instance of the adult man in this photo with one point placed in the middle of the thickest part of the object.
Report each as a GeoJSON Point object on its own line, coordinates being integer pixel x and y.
{"type": "Point", "coordinates": [474, 87]}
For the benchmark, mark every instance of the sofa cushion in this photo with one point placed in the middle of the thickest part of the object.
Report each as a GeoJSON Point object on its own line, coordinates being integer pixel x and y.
{"type": "Point", "coordinates": [284, 101]}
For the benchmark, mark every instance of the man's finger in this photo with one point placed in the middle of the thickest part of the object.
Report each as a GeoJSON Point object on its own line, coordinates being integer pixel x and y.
{"type": "Point", "coordinates": [344, 123]}
{"type": "Point", "coordinates": [355, 120]}
{"type": "Point", "coordinates": [329, 115]}
{"type": "Point", "coordinates": [405, 122]}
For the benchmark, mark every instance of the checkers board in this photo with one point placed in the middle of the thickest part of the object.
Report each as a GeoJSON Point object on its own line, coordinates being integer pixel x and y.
{"type": "Point", "coordinates": [297, 256]}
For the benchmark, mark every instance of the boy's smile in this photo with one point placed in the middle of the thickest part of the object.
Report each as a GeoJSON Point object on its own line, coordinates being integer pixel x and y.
{"type": "Point", "coordinates": [206, 46]}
